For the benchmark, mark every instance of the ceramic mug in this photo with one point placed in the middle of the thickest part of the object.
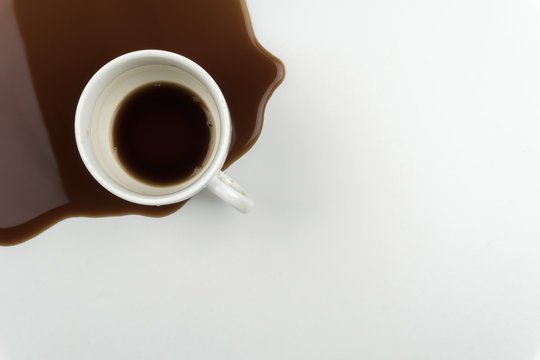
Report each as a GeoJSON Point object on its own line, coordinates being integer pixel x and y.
{"type": "Point", "coordinates": [94, 120]}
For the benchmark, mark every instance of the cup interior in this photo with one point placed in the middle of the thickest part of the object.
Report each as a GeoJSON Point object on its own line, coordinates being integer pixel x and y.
{"type": "Point", "coordinates": [101, 100]}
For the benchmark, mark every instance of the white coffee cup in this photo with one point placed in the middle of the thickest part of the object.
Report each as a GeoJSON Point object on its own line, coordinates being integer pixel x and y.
{"type": "Point", "coordinates": [94, 119]}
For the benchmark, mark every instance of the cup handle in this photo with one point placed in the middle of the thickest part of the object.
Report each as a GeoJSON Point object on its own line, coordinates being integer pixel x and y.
{"type": "Point", "coordinates": [225, 188]}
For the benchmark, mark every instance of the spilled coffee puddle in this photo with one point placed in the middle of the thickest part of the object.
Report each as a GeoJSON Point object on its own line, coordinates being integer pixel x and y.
{"type": "Point", "coordinates": [48, 52]}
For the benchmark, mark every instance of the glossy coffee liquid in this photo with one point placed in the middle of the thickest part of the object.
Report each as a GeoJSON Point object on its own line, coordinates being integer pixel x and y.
{"type": "Point", "coordinates": [50, 49]}
{"type": "Point", "coordinates": [163, 133]}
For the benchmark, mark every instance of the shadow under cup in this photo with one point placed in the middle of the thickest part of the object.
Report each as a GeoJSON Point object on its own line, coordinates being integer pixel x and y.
{"type": "Point", "coordinates": [100, 101]}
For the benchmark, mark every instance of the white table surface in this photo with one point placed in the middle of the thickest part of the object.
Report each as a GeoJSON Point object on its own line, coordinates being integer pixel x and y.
{"type": "Point", "coordinates": [397, 182]}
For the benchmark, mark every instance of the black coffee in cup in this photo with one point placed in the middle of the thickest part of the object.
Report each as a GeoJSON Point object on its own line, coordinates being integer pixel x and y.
{"type": "Point", "coordinates": [163, 133]}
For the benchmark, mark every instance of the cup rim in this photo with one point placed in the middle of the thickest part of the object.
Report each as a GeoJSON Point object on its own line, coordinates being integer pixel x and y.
{"type": "Point", "coordinates": [211, 169]}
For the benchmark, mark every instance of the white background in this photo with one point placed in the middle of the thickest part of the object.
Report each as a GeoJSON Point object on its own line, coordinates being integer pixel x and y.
{"type": "Point", "coordinates": [397, 182]}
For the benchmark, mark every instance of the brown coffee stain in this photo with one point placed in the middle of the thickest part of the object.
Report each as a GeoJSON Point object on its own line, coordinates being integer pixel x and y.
{"type": "Point", "coordinates": [48, 52]}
